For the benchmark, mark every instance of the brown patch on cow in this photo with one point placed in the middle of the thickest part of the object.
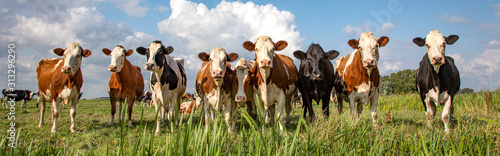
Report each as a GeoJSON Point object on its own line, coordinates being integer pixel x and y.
{"type": "Point", "coordinates": [206, 83]}
{"type": "Point", "coordinates": [278, 73]}
{"type": "Point", "coordinates": [126, 83]}
{"type": "Point", "coordinates": [188, 107]}
{"type": "Point", "coordinates": [54, 80]}
{"type": "Point", "coordinates": [355, 74]}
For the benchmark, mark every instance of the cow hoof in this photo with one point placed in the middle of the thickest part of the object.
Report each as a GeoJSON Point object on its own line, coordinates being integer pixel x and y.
{"type": "Point", "coordinates": [53, 131]}
{"type": "Point", "coordinates": [130, 123]}
{"type": "Point", "coordinates": [157, 133]}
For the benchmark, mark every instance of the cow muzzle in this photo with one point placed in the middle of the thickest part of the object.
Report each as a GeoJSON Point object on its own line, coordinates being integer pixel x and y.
{"type": "Point", "coordinates": [266, 63]}
{"type": "Point", "coordinates": [112, 68]}
{"type": "Point", "coordinates": [241, 99]}
{"type": "Point", "coordinates": [437, 60]}
{"type": "Point", "coordinates": [217, 75]}
{"type": "Point", "coordinates": [150, 66]}
{"type": "Point", "coordinates": [369, 63]}
{"type": "Point", "coordinates": [316, 77]}
{"type": "Point", "coordinates": [66, 69]}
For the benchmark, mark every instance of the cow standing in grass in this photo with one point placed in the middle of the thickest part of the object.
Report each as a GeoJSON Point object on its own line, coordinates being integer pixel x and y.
{"type": "Point", "coordinates": [316, 76]}
{"type": "Point", "coordinates": [126, 82]}
{"type": "Point", "coordinates": [357, 75]}
{"type": "Point", "coordinates": [438, 79]}
{"type": "Point", "coordinates": [245, 93]}
{"type": "Point", "coordinates": [167, 82]}
{"type": "Point", "coordinates": [60, 80]}
{"type": "Point", "coordinates": [17, 95]}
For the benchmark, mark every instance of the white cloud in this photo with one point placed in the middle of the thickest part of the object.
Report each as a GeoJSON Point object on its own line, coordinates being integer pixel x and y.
{"type": "Point", "coordinates": [496, 7]}
{"type": "Point", "coordinates": [367, 26]}
{"type": "Point", "coordinates": [454, 19]}
{"type": "Point", "coordinates": [386, 28]}
{"type": "Point", "coordinates": [480, 72]}
{"type": "Point", "coordinates": [131, 7]}
{"type": "Point", "coordinates": [161, 8]}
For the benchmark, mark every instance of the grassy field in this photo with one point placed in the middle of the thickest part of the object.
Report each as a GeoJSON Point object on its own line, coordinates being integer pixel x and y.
{"type": "Point", "coordinates": [401, 130]}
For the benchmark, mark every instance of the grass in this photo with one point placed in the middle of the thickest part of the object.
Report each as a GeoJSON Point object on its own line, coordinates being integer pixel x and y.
{"type": "Point", "coordinates": [402, 130]}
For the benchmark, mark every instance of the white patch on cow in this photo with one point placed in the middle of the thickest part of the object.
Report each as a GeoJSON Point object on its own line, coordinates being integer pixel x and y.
{"type": "Point", "coordinates": [117, 58]}
{"type": "Point", "coordinates": [364, 87]}
{"type": "Point", "coordinates": [180, 61]}
{"type": "Point", "coordinates": [57, 65]}
{"type": "Point", "coordinates": [67, 94]}
{"type": "Point", "coordinates": [369, 48]}
{"type": "Point", "coordinates": [73, 57]}
{"type": "Point", "coordinates": [434, 96]}
{"type": "Point", "coordinates": [153, 50]}
{"type": "Point", "coordinates": [218, 63]}
{"type": "Point", "coordinates": [435, 43]}
{"type": "Point", "coordinates": [215, 101]}
{"type": "Point", "coordinates": [348, 63]}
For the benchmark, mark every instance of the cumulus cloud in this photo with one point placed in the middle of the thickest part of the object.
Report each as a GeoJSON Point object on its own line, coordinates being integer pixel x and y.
{"type": "Point", "coordinates": [131, 7]}
{"type": "Point", "coordinates": [496, 7]}
{"type": "Point", "coordinates": [480, 72]}
{"type": "Point", "coordinates": [454, 19]}
{"type": "Point", "coordinates": [367, 26]}
{"type": "Point", "coordinates": [386, 28]}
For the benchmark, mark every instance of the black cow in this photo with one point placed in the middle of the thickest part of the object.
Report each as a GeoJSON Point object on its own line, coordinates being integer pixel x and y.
{"type": "Point", "coordinates": [145, 99]}
{"type": "Point", "coordinates": [437, 79]}
{"type": "Point", "coordinates": [17, 95]}
{"type": "Point", "coordinates": [316, 77]}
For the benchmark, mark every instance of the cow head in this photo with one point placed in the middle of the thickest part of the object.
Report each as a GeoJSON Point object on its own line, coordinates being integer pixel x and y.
{"type": "Point", "coordinates": [156, 55]}
{"type": "Point", "coordinates": [264, 49]}
{"type": "Point", "coordinates": [218, 60]}
{"type": "Point", "coordinates": [117, 57]}
{"type": "Point", "coordinates": [368, 45]}
{"type": "Point", "coordinates": [436, 44]}
{"type": "Point", "coordinates": [72, 57]}
{"type": "Point", "coordinates": [242, 69]}
{"type": "Point", "coordinates": [313, 60]}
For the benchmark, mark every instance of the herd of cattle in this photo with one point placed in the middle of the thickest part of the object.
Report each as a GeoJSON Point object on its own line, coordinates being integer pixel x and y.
{"type": "Point", "coordinates": [270, 80]}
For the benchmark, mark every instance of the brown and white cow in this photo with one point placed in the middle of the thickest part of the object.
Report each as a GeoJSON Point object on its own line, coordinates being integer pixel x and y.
{"type": "Point", "coordinates": [167, 81]}
{"type": "Point", "coordinates": [60, 80]}
{"type": "Point", "coordinates": [245, 92]}
{"type": "Point", "coordinates": [126, 82]}
{"type": "Point", "coordinates": [214, 85]}
{"type": "Point", "coordinates": [357, 75]}
{"type": "Point", "coordinates": [275, 77]}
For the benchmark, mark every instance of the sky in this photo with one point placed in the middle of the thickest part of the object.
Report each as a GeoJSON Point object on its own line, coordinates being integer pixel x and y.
{"type": "Point", "coordinates": [38, 27]}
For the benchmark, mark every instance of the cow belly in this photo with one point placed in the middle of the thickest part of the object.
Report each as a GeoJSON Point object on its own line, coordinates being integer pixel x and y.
{"type": "Point", "coordinates": [270, 94]}
{"type": "Point", "coordinates": [433, 95]}
{"type": "Point", "coordinates": [68, 93]}
{"type": "Point", "coordinates": [214, 101]}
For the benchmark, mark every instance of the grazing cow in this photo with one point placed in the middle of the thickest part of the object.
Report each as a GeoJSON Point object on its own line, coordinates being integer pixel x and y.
{"type": "Point", "coordinates": [188, 107]}
{"type": "Point", "coordinates": [275, 77]}
{"type": "Point", "coordinates": [60, 80]}
{"type": "Point", "coordinates": [437, 79]}
{"type": "Point", "coordinates": [357, 75]}
{"type": "Point", "coordinates": [186, 96]}
{"type": "Point", "coordinates": [126, 82]}
{"type": "Point", "coordinates": [167, 81]}
{"type": "Point", "coordinates": [145, 99]}
{"type": "Point", "coordinates": [316, 77]}
{"type": "Point", "coordinates": [215, 86]}
{"type": "Point", "coordinates": [245, 92]}
{"type": "Point", "coordinates": [17, 95]}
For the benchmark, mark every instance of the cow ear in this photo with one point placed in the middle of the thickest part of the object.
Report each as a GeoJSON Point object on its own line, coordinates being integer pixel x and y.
{"type": "Point", "coordinates": [129, 52]}
{"type": "Point", "coordinates": [86, 53]}
{"type": "Point", "coordinates": [59, 51]}
{"type": "Point", "coordinates": [332, 54]}
{"type": "Point", "coordinates": [169, 50]}
{"type": "Point", "coordinates": [353, 43]}
{"type": "Point", "coordinates": [280, 45]}
{"type": "Point", "coordinates": [106, 51]}
{"type": "Point", "coordinates": [451, 39]}
{"type": "Point", "coordinates": [141, 50]}
{"type": "Point", "coordinates": [249, 46]}
{"type": "Point", "coordinates": [382, 41]}
{"type": "Point", "coordinates": [300, 55]}
{"type": "Point", "coordinates": [232, 57]}
{"type": "Point", "coordinates": [203, 56]}
{"type": "Point", "coordinates": [419, 41]}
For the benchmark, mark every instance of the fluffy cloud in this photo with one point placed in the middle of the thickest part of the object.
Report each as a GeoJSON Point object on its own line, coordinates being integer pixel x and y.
{"type": "Point", "coordinates": [367, 26]}
{"type": "Point", "coordinates": [131, 7]}
{"type": "Point", "coordinates": [480, 72]}
{"type": "Point", "coordinates": [454, 19]}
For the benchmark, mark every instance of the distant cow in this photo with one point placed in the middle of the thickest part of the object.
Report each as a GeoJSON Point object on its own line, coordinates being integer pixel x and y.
{"type": "Point", "coordinates": [438, 79]}
{"type": "Point", "coordinates": [167, 81]}
{"type": "Point", "coordinates": [245, 92]}
{"type": "Point", "coordinates": [60, 80]}
{"type": "Point", "coordinates": [17, 95]}
{"type": "Point", "coordinates": [316, 77]}
{"type": "Point", "coordinates": [126, 82]}
{"type": "Point", "coordinates": [145, 99]}
{"type": "Point", "coordinates": [215, 86]}
{"type": "Point", "coordinates": [275, 77]}
{"type": "Point", "coordinates": [357, 75]}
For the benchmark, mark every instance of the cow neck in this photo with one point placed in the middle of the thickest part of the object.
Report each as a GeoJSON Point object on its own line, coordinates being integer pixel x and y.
{"type": "Point", "coordinates": [117, 83]}
{"type": "Point", "coordinates": [71, 78]}
{"type": "Point", "coordinates": [359, 64]}
{"type": "Point", "coordinates": [434, 74]}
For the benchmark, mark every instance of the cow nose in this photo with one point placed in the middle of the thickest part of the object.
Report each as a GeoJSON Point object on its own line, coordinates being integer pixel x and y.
{"type": "Point", "coordinates": [369, 62]}
{"type": "Point", "coordinates": [241, 99]}
{"type": "Point", "coordinates": [437, 59]}
{"type": "Point", "coordinates": [217, 73]}
{"type": "Point", "coordinates": [316, 76]}
{"type": "Point", "coordinates": [265, 63]}
{"type": "Point", "coordinates": [66, 69]}
{"type": "Point", "coordinates": [149, 66]}
{"type": "Point", "coordinates": [112, 67]}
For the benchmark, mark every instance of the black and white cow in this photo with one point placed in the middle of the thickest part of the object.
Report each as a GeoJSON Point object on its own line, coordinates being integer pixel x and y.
{"type": "Point", "coordinates": [145, 99]}
{"type": "Point", "coordinates": [316, 77]}
{"type": "Point", "coordinates": [437, 79]}
{"type": "Point", "coordinates": [167, 81]}
{"type": "Point", "coordinates": [17, 95]}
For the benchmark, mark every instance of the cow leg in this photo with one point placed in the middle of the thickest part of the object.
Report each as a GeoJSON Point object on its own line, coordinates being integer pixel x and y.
{"type": "Point", "coordinates": [446, 115]}
{"type": "Point", "coordinates": [352, 104]}
{"type": "Point", "coordinates": [227, 114]}
{"type": "Point", "coordinates": [359, 108]}
{"type": "Point", "coordinates": [288, 108]}
{"type": "Point", "coordinates": [159, 116]}
{"type": "Point", "coordinates": [206, 110]}
{"type": "Point", "coordinates": [173, 112]}
{"type": "Point", "coordinates": [4, 102]}
{"type": "Point", "coordinates": [373, 107]}
{"type": "Point", "coordinates": [120, 103]}
{"type": "Point", "coordinates": [431, 111]}
{"type": "Point", "coordinates": [42, 110]}
{"type": "Point", "coordinates": [113, 109]}
{"type": "Point", "coordinates": [23, 104]}
{"type": "Point", "coordinates": [234, 114]}
{"type": "Point", "coordinates": [307, 104]}
{"type": "Point", "coordinates": [326, 106]}
{"type": "Point", "coordinates": [340, 105]}
{"type": "Point", "coordinates": [280, 113]}
{"type": "Point", "coordinates": [131, 101]}
{"type": "Point", "coordinates": [55, 115]}
{"type": "Point", "coordinates": [72, 114]}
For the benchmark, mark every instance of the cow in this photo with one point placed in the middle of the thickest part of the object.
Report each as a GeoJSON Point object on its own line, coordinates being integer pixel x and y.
{"type": "Point", "coordinates": [126, 82]}
{"type": "Point", "coordinates": [438, 79]}
{"type": "Point", "coordinates": [60, 80]}
{"type": "Point", "coordinates": [185, 97]}
{"type": "Point", "coordinates": [275, 77]}
{"type": "Point", "coordinates": [357, 75]}
{"type": "Point", "coordinates": [215, 86]}
{"type": "Point", "coordinates": [188, 107]}
{"type": "Point", "coordinates": [167, 81]}
{"type": "Point", "coordinates": [316, 76]}
{"type": "Point", "coordinates": [145, 99]}
{"type": "Point", "coordinates": [17, 95]}
{"type": "Point", "coordinates": [245, 92]}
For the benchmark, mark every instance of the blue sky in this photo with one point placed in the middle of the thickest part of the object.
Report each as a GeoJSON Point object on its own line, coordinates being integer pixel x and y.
{"type": "Point", "coordinates": [195, 26]}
